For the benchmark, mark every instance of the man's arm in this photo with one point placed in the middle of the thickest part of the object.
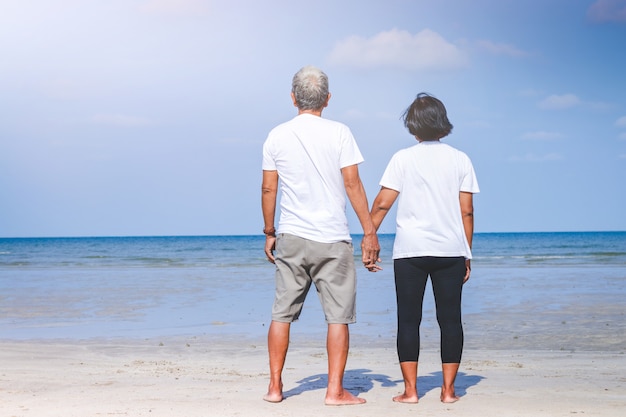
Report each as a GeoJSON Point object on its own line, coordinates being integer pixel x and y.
{"type": "Point", "coordinates": [269, 190]}
{"type": "Point", "coordinates": [370, 248]}
{"type": "Point", "coordinates": [467, 212]}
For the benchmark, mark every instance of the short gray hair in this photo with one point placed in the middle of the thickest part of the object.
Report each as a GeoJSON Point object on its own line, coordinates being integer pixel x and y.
{"type": "Point", "coordinates": [310, 88]}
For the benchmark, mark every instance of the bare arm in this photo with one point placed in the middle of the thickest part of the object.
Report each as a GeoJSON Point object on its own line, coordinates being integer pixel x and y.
{"type": "Point", "coordinates": [370, 247]}
{"type": "Point", "coordinates": [467, 212]}
{"type": "Point", "coordinates": [382, 204]}
{"type": "Point", "coordinates": [269, 190]}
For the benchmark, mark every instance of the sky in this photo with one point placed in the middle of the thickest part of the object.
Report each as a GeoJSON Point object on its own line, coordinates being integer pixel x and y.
{"type": "Point", "coordinates": [147, 117]}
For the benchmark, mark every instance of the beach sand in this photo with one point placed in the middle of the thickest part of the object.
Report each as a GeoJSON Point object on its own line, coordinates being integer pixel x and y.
{"type": "Point", "coordinates": [227, 376]}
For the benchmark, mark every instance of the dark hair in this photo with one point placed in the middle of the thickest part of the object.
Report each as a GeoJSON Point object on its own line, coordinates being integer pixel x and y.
{"type": "Point", "coordinates": [426, 118]}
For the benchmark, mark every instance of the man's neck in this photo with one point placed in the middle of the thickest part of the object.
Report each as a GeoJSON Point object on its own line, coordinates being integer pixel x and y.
{"type": "Point", "coordinates": [313, 112]}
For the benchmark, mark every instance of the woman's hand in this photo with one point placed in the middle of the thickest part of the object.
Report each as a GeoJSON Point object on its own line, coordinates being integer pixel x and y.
{"type": "Point", "coordinates": [468, 270]}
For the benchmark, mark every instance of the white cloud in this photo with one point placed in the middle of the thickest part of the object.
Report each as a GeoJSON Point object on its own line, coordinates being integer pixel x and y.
{"type": "Point", "coordinates": [555, 102]}
{"type": "Point", "coordinates": [426, 50]}
{"type": "Point", "coordinates": [531, 157]}
{"type": "Point", "coordinates": [607, 11]}
{"type": "Point", "coordinates": [542, 135]}
{"type": "Point", "coordinates": [120, 120]}
{"type": "Point", "coordinates": [621, 122]}
{"type": "Point", "coordinates": [501, 49]}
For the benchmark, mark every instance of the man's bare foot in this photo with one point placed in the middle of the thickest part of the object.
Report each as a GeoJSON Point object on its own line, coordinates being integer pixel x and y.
{"type": "Point", "coordinates": [345, 398]}
{"type": "Point", "coordinates": [451, 399]}
{"type": "Point", "coordinates": [274, 395]}
{"type": "Point", "coordinates": [404, 398]}
{"type": "Point", "coordinates": [448, 396]}
{"type": "Point", "coordinates": [273, 398]}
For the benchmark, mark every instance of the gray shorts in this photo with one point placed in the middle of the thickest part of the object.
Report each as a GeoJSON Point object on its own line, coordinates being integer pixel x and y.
{"type": "Point", "coordinates": [330, 266]}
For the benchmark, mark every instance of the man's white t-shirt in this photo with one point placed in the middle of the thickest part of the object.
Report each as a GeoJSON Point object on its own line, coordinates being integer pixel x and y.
{"type": "Point", "coordinates": [309, 152]}
{"type": "Point", "coordinates": [429, 177]}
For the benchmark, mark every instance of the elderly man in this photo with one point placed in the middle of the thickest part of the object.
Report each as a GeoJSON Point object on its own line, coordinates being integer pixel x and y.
{"type": "Point", "coordinates": [316, 161]}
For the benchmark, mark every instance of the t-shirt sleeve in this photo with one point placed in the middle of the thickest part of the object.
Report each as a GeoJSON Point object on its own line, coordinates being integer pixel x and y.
{"type": "Point", "coordinates": [269, 163]}
{"type": "Point", "coordinates": [392, 177]}
{"type": "Point", "coordinates": [469, 183]}
{"type": "Point", "coordinates": [350, 152]}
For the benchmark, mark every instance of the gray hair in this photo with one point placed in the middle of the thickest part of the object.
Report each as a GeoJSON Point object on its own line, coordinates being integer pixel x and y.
{"type": "Point", "coordinates": [310, 88]}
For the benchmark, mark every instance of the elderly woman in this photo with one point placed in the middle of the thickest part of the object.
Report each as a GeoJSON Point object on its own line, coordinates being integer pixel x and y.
{"type": "Point", "coordinates": [434, 184]}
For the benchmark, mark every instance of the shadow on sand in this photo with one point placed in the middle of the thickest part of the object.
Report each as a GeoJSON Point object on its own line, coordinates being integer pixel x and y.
{"type": "Point", "coordinates": [360, 381]}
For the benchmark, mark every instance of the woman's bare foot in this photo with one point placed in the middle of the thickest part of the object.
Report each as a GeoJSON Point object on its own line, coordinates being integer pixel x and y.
{"type": "Point", "coordinates": [344, 398]}
{"type": "Point", "coordinates": [448, 396]}
{"type": "Point", "coordinates": [404, 398]}
{"type": "Point", "coordinates": [274, 395]}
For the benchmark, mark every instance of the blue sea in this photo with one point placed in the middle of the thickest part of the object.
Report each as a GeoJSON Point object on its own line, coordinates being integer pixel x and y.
{"type": "Point", "coordinates": [557, 291]}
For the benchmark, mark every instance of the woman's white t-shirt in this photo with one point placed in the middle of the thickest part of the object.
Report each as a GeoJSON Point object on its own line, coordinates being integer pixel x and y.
{"type": "Point", "coordinates": [429, 177]}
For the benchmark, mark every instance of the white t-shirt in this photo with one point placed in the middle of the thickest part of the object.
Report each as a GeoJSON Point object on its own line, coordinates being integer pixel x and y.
{"type": "Point", "coordinates": [429, 177]}
{"type": "Point", "coordinates": [309, 152]}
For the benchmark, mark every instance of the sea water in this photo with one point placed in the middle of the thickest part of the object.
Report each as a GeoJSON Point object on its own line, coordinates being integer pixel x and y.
{"type": "Point", "coordinates": [527, 290]}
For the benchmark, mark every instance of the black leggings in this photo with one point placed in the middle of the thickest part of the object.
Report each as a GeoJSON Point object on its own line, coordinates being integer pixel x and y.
{"type": "Point", "coordinates": [446, 276]}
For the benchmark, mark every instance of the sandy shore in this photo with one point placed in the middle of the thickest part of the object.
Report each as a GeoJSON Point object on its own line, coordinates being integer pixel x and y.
{"type": "Point", "coordinates": [187, 377]}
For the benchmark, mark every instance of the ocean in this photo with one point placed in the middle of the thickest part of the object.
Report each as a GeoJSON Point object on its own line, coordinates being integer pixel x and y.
{"type": "Point", "coordinates": [557, 291]}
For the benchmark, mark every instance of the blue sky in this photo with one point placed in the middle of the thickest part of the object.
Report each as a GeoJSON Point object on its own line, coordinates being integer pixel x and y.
{"type": "Point", "coordinates": [147, 117]}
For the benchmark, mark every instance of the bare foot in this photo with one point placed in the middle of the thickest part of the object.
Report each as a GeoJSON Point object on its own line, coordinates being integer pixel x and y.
{"type": "Point", "coordinates": [274, 395]}
{"type": "Point", "coordinates": [451, 399]}
{"type": "Point", "coordinates": [448, 396]}
{"type": "Point", "coordinates": [345, 398]}
{"type": "Point", "coordinates": [404, 398]}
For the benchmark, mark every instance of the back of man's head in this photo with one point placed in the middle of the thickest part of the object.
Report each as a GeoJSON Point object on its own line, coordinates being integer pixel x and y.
{"type": "Point", "coordinates": [310, 88]}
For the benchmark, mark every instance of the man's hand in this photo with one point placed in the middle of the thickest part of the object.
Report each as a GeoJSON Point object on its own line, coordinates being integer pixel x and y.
{"type": "Point", "coordinates": [370, 250]}
{"type": "Point", "coordinates": [270, 246]}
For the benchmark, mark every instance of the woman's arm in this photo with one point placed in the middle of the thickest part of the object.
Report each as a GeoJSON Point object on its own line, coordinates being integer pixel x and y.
{"type": "Point", "coordinates": [467, 213]}
{"type": "Point", "coordinates": [370, 248]}
{"type": "Point", "coordinates": [382, 204]}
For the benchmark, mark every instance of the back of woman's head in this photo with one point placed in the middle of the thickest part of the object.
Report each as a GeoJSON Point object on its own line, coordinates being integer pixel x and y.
{"type": "Point", "coordinates": [310, 88]}
{"type": "Point", "coordinates": [426, 118]}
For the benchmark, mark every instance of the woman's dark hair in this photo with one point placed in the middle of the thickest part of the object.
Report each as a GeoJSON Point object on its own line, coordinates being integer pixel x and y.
{"type": "Point", "coordinates": [426, 118]}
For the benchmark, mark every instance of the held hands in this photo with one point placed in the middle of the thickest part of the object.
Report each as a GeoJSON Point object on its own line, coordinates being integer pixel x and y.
{"type": "Point", "coordinates": [370, 249]}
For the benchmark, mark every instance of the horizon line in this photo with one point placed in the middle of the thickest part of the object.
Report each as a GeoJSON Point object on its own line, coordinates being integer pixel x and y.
{"type": "Point", "coordinates": [261, 235]}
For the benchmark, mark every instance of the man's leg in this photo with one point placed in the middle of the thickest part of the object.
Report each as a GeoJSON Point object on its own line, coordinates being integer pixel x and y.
{"type": "Point", "coordinates": [277, 345]}
{"type": "Point", "coordinates": [337, 345]}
